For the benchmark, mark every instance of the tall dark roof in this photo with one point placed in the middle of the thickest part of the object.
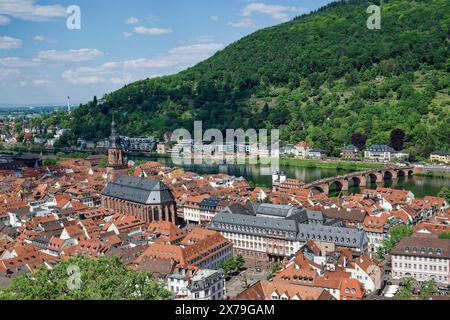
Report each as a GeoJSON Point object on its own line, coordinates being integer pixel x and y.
{"type": "Point", "coordinates": [209, 202]}
{"type": "Point", "coordinates": [380, 148]}
{"type": "Point", "coordinates": [140, 190]}
{"type": "Point", "coordinates": [114, 138]}
{"type": "Point", "coordinates": [344, 214]}
{"type": "Point", "coordinates": [441, 153]}
{"type": "Point", "coordinates": [351, 148]}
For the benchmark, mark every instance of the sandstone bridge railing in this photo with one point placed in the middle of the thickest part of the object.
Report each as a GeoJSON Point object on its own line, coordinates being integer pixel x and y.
{"type": "Point", "coordinates": [360, 178]}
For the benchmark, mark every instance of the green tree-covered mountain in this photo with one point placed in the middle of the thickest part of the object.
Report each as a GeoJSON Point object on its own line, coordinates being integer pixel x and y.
{"type": "Point", "coordinates": [320, 77]}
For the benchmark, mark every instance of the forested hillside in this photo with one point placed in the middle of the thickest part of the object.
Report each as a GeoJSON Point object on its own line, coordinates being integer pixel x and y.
{"type": "Point", "coordinates": [321, 77]}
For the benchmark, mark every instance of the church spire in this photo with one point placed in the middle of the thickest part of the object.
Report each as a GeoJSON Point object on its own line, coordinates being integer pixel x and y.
{"type": "Point", "coordinates": [114, 139]}
{"type": "Point", "coordinates": [117, 165]}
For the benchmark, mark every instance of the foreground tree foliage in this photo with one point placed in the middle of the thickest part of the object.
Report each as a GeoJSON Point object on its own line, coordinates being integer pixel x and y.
{"type": "Point", "coordinates": [99, 279]}
{"type": "Point", "coordinates": [427, 288]}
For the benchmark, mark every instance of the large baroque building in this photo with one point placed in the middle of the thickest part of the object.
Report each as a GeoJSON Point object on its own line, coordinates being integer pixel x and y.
{"type": "Point", "coordinates": [149, 200]}
{"type": "Point", "coordinates": [423, 257]}
{"type": "Point", "coordinates": [268, 232]}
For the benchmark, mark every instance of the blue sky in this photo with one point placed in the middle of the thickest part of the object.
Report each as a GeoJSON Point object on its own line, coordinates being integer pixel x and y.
{"type": "Point", "coordinates": [120, 41]}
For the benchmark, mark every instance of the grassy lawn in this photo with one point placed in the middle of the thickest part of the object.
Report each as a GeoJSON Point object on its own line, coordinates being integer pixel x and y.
{"type": "Point", "coordinates": [442, 175]}
{"type": "Point", "coordinates": [346, 165]}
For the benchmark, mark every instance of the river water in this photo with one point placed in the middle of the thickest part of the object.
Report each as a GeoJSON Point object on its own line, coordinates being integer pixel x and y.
{"type": "Point", "coordinates": [261, 176]}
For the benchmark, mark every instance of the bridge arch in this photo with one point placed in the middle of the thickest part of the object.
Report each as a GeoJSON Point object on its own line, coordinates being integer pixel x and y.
{"type": "Point", "coordinates": [372, 178]}
{"type": "Point", "coordinates": [338, 184]}
{"type": "Point", "coordinates": [318, 189]}
{"type": "Point", "coordinates": [387, 175]}
{"type": "Point", "coordinates": [355, 181]}
{"type": "Point", "coordinates": [400, 173]}
{"type": "Point", "coordinates": [410, 173]}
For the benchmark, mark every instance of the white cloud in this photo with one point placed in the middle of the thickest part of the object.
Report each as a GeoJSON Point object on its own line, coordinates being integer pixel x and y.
{"type": "Point", "coordinates": [204, 38]}
{"type": "Point", "coordinates": [42, 38]}
{"type": "Point", "coordinates": [275, 11]}
{"type": "Point", "coordinates": [6, 73]}
{"type": "Point", "coordinates": [132, 20]}
{"type": "Point", "coordinates": [10, 43]}
{"type": "Point", "coordinates": [29, 10]}
{"type": "Point", "coordinates": [126, 78]}
{"type": "Point", "coordinates": [4, 20]}
{"type": "Point", "coordinates": [82, 76]}
{"type": "Point", "coordinates": [197, 49]}
{"type": "Point", "coordinates": [127, 34]}
{"type": "Point", "coordinates": [41, 82]}
{"type": "Point", "coordinates": [15, 62]}
{"type": "Point", "coordinates": [214, 18]}
{"type": "Point", "coordinates": [243, 23]}
{"type": "Point", "coordinates": [122, 72]}
{"type": "Point", "coordinates": [152, 31]}
{"type": "Point", "coordinates": [71, 55]}
{"type": "Point", "coordinates": [175, 57]}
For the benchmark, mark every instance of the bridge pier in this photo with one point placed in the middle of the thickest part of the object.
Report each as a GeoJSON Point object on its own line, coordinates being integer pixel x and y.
{"type": "Point", "coordinates": [394, 174]}
{"type": "Point", "coordinates": [344, 183]}
{"type": "Point", "coordinates": [362, 181]}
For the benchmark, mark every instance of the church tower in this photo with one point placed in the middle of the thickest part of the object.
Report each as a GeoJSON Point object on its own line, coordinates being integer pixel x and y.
{"type": "Point", "coordinates": [116, 160]}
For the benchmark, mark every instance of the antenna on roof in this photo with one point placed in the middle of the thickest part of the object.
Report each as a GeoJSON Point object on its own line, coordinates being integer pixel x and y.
{"type": "Point", "coordinates": [69, 110]}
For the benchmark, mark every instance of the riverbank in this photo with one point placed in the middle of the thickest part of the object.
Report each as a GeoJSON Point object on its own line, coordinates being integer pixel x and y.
{"type": "Point", "coordinates": [431, 174]}
{"type": "Point", "coordinates": [339, 165]}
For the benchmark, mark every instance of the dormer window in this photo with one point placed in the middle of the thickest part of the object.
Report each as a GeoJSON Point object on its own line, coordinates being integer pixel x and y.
{"type": "Point", "coordinates": [438, 252]}
{"type": "Point", "coordinates": [414, 250]}
{"type": "Point", "coordinates": [407, 249]}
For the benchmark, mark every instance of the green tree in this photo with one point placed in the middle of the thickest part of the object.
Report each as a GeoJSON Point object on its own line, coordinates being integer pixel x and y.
{"type": "Point", "coordinates": [397, 139]}
{"type": "Point", "coordinates": [444, 235]}
{"type": "Point", "coordinates": [240, 261]}
{"type": "Point", "coordinates": [103, 162]}
{"type": "Point", "coordinates": [99, 279]}
{"type": "Point", "coordinates": [395, 235]}
{"type": "Point", "coordinates": [233, 264]}
{"type": "Point", "coordinates": [428, 288]}
{"type": "Point", "coordinates": [228, 266]}
{"type": "Point", "coordinates": [275, 267]}
{"type": "Point", "coordinates": [405, 293]}
{"type": "Point", "coordinates": [50, 161]}
{"type": "Point", "coordinates": [444, 193]}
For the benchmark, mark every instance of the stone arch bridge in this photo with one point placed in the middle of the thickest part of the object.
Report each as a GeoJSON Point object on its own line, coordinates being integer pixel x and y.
{"type": "Point", "coordinates": [361, 178]}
